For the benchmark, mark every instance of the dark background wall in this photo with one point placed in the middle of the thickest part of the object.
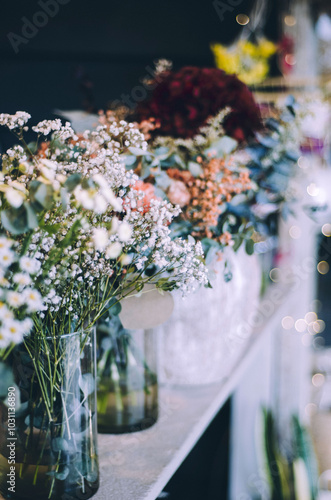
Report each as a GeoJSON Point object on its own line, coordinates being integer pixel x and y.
{"type": "Point", "coordinates": [90, 52]}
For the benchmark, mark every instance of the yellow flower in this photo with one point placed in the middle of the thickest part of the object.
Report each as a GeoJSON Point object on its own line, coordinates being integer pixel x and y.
{"type": "Point", "coordinates": [256, 74]}
{"type": "Point", "coordinates": [225, 59]}
{"type": "Point", "coordinates": [248, 48]}
{"type": "Point", "coordinates": [267, 48]}
{"type": "Point", "coordinates": [247, 60]}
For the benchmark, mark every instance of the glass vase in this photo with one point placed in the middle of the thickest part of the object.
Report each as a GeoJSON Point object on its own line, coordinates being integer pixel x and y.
{"type": "Point", "coordinates": [127, 389]}
{"type": "Point", "coordinates": [48, 430]}
{"type": "Point", "coordinates": [208, 331]}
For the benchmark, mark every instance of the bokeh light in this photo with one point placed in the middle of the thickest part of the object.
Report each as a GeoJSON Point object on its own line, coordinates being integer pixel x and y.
{"type": "Point", "coordinates": [287, 322]}
{"type": "Point", "coordinates": [312, 189]}
{"type": "Point", "coordinates": [295, 232]}
{"type": "Point", "coordinates": [275, 274]}
{"type": "Point", "coordinates": [242, 19]}
{"type": "Point", "coordinates": [326, 230]}
{"type": "Point", "coordinates": [300, 325]}
{"type": "Point", "coordinates": [290, 20]}
{"type": "Point", "coordinates": [323, 267]}
{"type": "Point", "coordinates": [310, 317]}
{"type": "Point", "coordinates": [318, 379]}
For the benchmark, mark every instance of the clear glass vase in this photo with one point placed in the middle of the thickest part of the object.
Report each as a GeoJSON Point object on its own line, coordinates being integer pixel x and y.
{"type": "Point", "coordinates": [48, 425]}
{"type": "Point", "coordinates": [208, 330]}
{"type": "Point", "coordinates": [127, 392]}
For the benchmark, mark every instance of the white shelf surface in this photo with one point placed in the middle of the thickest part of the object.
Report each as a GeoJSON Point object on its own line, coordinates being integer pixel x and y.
{"type": "Point", "coordinates": [139, 465]}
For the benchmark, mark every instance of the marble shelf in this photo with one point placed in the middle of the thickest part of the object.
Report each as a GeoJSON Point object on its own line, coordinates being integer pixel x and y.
{"type": "Point", "coordinates": [138, 465]}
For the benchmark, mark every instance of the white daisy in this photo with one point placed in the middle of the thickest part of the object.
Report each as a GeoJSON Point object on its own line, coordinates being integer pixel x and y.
{"type": "Point", "coordinates": [6, 257]}
{"type": "Point", "coordinates": [30, 266]}
{"type": "Point", "coordinates": [15, 299]}
{"type": "Point", "coordinates": [33, 300]}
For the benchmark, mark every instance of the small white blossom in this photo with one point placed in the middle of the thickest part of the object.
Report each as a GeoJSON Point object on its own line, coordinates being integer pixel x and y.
{"type": "Point", "coordinates": [113, 250]}
{"type": "Point", "coordinates": [29, 265]}
{"type": "Point", "coordinates": [124, 232]}
{"type": "Point", "coordinates": [100, 238]}
{"type": "Point", "coordinates": [15, 299]}
{"type": "Point", "coordinates": [6, 257]}
{"type": "Point", "coordinates": [33, 300]}
{"type": "Point", "coordinates": [14, 197]}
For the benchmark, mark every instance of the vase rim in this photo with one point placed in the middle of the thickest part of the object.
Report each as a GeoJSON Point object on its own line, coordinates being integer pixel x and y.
{"type": "Point", "coordinates": [66, 335]}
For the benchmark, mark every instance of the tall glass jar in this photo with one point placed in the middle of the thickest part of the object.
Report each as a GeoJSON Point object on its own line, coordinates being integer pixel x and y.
{"type": "Point", "coordinates": [48, 425]}
{"type": "Point", "coordinates": [127, 390]}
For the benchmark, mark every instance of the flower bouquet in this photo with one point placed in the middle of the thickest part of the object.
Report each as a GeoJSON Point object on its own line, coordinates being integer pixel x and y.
{"type": "Point", "coordinates": [191, 133]}
{"type": "Point", "coordinates": [74, 242]}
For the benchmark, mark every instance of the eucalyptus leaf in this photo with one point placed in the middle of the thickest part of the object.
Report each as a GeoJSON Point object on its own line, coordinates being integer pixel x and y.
{"type": "Point", "coordinates": [195, 168]}
{"type": "Point", "coordinates": [42, 193]}
{"type": "Point", "coordinates": [7, 380]}
{"type": "Point", "coordinates": [249, 247]}
{"type": "Point", "coordinates": [87, 384]}
{"type": "Point", "coordinates": [32, 218]}
{"type": "Point", "coordinates": [72, 182]}
{"type": "Point", "coordinates": [129, 160]}
{"type": "Point", "coordinates": [15, 220]}
{"type": "Point", "coordinates": [62, 474]}
{"type": "Point", "coordinates": [59, 444]}
{"type": "Point", "coordinates": [139, 152]}
{"type": "Point", "coordinates": [162, 180]}
{"type": "Point", "coordinates": [114, 307]}
{"type": "Point", "coordinates": [222, 147]}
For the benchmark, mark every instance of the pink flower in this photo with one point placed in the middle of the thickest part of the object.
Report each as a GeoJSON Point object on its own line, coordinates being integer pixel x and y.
{"type": "Point", "coordinates": [178, 194]}
{"type": "Point", "coordinates": [149, 194]}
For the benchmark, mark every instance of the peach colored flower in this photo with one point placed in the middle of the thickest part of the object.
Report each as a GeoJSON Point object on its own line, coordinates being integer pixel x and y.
{"type": "Point", "coordinates": [149, 194]}
{"type": "Point", "coordinates": [178, 194]}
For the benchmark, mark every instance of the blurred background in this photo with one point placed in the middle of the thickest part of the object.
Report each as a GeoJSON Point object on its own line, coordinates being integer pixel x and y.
{"type": "Point", "coordinates": [89, 53]}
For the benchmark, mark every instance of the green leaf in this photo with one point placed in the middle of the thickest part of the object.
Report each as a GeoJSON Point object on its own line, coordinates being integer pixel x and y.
{"type": "Point", "coordinates": [162, 180]}
{"type": "Point", "coordinates": [32, 218]}
{"type": "Point", "coordinates": [72, 182]}
{"type": "Point", "coordinates": [15, 220]}
{"type": "Point", "coordinates": [62, 475]}
{"type": "Point", "coordinates": [59, 444]}
{"type": "Point", "coordinates": [42, 193]}
{"type": "Point", "coordinates": [139, 152]}
{"type": "Point", "coordinates": [249, 247]}
{"type": "Point", "coordinates": [222, 147]}
{"type": "Point", "coordinates": [114, 307]}
{"type": "Point", "coordinates": [195, 169]}
{"type": "Point", "coordinates": [7, 380]}
{"type": "Point", "coordinates": [87, 383]}
{"type": "Point", "coordinates": [305, 450]}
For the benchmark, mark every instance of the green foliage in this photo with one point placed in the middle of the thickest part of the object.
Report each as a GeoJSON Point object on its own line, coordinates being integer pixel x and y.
{"type": "Point", "coordinates": [281, 468]}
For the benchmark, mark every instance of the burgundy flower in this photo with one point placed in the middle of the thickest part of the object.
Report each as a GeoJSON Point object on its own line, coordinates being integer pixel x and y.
{"type": "Point", "coordinates": [182, 101]}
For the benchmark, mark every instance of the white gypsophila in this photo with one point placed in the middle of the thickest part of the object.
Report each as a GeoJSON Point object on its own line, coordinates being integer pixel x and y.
{"type": "Point", "coordinates": [45, 127]}
{"type": "Point", "coordinates": [61, 132]}
{"type": "Point", "coordinates": [15, 153]}
{"type": "Point", "coordinates": [151, 234]}
{"type": "Point", "coordinates": [19, 119]}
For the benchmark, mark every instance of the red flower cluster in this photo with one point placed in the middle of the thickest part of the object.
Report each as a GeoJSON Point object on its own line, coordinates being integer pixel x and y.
{"type": "Point", "coordinates": [182, 102]}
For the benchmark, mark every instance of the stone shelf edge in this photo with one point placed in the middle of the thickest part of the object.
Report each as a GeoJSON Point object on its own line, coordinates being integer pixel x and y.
{"type": "Point", "coordinates": [139, 465]}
